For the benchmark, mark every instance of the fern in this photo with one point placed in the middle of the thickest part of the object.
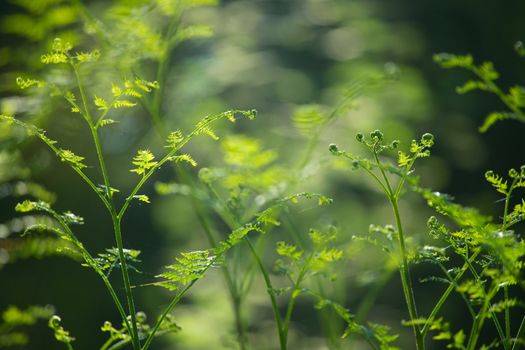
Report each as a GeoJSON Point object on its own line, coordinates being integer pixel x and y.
{"type": "Point", "coordinates": [487, 75]}
{"type": "Point", "coordinates": [110, 259]}
{"type": "Point", "coordinates": [144, 161]}
{"type": "Point", "coordinates": [14, 320]}
{"type": "Point", "coordinates": [61, 335]}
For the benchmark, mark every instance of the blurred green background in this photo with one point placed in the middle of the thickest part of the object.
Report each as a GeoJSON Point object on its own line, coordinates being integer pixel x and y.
{"type": "Point", "coordinates": [274, 56]}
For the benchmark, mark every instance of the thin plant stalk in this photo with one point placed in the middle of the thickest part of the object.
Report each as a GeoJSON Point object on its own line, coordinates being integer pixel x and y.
{"type": "Point", "coordinates": [114, 217]}
{"type": "Point", "coordinates": [406, 279]}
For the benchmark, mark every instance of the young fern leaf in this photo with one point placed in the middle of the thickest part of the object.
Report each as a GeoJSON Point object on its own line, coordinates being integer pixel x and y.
{"type": "Point", "coordinates": [61, 334]}
{"type": "Point", "coordinates": [27, 83]}
{"type": "Point", "coordinates": [514, 99]}
{"type": "Point", "coordinates": [133, 89]}
{"type": "Point", "coordinates": [378, 336]}
{"type": "Point", "coordinates": [190, 266]}
{"type": "Point", "coordinates": [59, 53]}
{"type": "Point", "coordinates": [497, 182]}
{"type": "Point", "coordinates": [101, 103]}
{"type": "Point", "coordinates": [174, 138]}
{"type": "Point", "coordinates": [142, 198]}
{"type": "Point", "coordinates": [110, 259]}
{"type": "Point", "coordinates": [289, 251]}
{"type": "Point", "coordinates": [495, 117]}
{"type": "Point", "coordinates": [119, 337]}
{"type": "Point", "coordinates": [68, 156]}
{"type": "Point", "coordinates": [144, 160]}
{"type": "Point", "coordinates": [186, 158]}
{"type": "Point", "coordinates": [203, 127]}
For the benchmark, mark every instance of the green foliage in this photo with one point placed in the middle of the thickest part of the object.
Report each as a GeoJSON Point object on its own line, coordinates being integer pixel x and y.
{"type": "Point", "coordinates": [297, 264]}
{"type": "Point", "coordinates": [190, 266]}
{"type": "Point", "coordinates": [119, 337]}
{"type": "Point", "coordinates": [144, 161]}
{"type": "Point", "coordinates": [486, 76]}
{"type": "Point", "coordinates": [14, 320]}
{"type": "Point", "coordinates": [61, 334]}
{"type": "Point", "coordinates": [110, 259]}
{"type": "Point", "coordinates": [478, 258]}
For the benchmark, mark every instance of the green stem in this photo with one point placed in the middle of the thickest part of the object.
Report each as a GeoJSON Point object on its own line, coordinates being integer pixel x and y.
{"type": "Point", "coordinates": [231, 221]}
{"type": "Point", "coordinates": [114, 216]}
{"type": "Point", "coordinates": [447, 292]}
{"type": "Point", "coordinates": [235, 297]}
{"type": "Point", "coordinates": [494, 88]}
{"type": "Point", "coordinates": [91, 262]}
{"type": "Point", "coordinates": [127, 283]}
{"type": "Point", "coordinates": [176, 299]}
{"type": "Point", "coordinates": [86, 113]}
{"type": "Point", "coordinates": [108, 343]}
{"type": "Point", "coordinates": [520, 336]}
{"type": "Point", "coordinates": [406, 280]}
{"type": "Point", "coordinates": [479, 321]}
{"type": "Point", "coordinates": [102, 163]}
{"type": "Point", "coordinates": [291, 303]}
{"type": "Point", "coordinates": [462, 294]}
{"type": "Point", "coordinates": [492, 313]}
{"type": "Point", "coordinates": [507, 318]}
{"type": "Point", "coordinates": [271, 293]}
{"type": "Point", "coordinates": [506, 288]}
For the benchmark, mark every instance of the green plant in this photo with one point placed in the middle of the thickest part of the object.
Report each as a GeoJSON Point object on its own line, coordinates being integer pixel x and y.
{"type": "Point", "coordinates": [379, 172]}
{"type": "Point", "coordinates": [134, 329]}
{"type": "Point", "coordinates": [491, 251]}
{"type": "Point", "coordinates": [14, 319]}
{"type": "Point", "coordinates": [486, 76]}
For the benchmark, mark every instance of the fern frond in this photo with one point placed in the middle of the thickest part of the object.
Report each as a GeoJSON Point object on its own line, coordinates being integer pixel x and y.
{"type": "Point", "coordinates": [142, 198]}
{"type": "Point", "coordinates": [190, 266]}
{"type": "Point", "coordinates": [144, 160]}
{"type": "Point", "coordinates": [495, 117]}
{"type": "Point", "coordinates": [183, 158]}
{"type": "Point", "coordinates": [61, 334]}
{"type": "Point", "coordinates": [447, 60]}
{"type": "Point", "coordinates": [288, 250]}
{"type": "Point", "coordinates": [68, 156]}
{"type": "Point", "coordinates": [27, 83]}
{"type": "Point", "coordinates": [497, 182]}
{"type": "Point", "coordinates": [101, 103]}
{"type": "Point", "coordinates": [110, 259]}
{"type": "Point", "coordinates": [174, 138]}
{"type": "Point", "coordinates": [124, 104]}
{"type": "Point", "coordinates": [471, 85]}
